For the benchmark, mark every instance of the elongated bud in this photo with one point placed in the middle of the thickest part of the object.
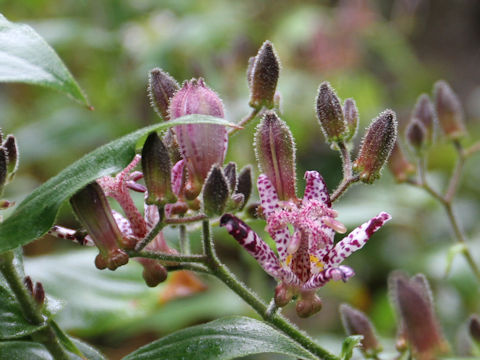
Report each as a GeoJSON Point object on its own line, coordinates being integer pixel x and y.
{"type": "Point", "coordinates": [376, 147]}
{"type": "Point", "coordinates": [356, 322]}
{"type": "Point", "coordinates": [39, 293]}
{"type": "Point", "coordinates": [399, 165]}
{"type": "Point", "coordinates": [230, 172]}
{"type": "Point", "coordinates": [244, 184]}
{"type": "Point", "coordinates": [27, 281]}
{"type": "Point", "coordinates": [157, 169]}
{"type": "Point", "coordinates": [474, 328]}
{"type": "Point", "coordinates": [263, 77]}
{"type": "Point", "coordinates": [416, 315]}
{"type": "Point", "coordinates": [449, 111]}
{"type": "Point", "coordinates": [215, 193]}
{"type": "Point", "coordinates": [275, 151]}
{"type": "Point", "coordinates": [161, 88]}
{"type": "Point", "coordinates": [416, 136]}
{"type": "Point", "coordinates": [3, 168]}
{"type": "Point", "coordinates": [251, 62]}
{"type": "Point", "coordinates": [350, 113]}
{"type": "Point", "coordinates": [330, 114]}
{"type": "Point", "coordinates": [201, 145]}
{"type": "Point", "coordinates": [10, 146]}
{"type": "Point", "coordinates": [172, 145]}
{"type": "Point", "coordinates": [92, 209]}
{"type": "Point", "coordinates": [425, 113]}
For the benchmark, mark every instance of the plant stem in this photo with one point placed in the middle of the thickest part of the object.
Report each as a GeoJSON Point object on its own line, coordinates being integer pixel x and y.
{"type": "Point", "coordinates": [184, 240]}
{"type": "Point", "coordinates": [342, 187]}
{"type": "Point", "coordinates": [167, 257]}
{"type": "Point", "coordinates": [348, 177]}
{"type": "Point", "coordinates": [30, 309]}
{"type": "Point", "coordinates": [226, 276]}
{"type": "Point", "coordinates": [185, 220]}
{"type": "Point", "coordinates": [154, 232]}
{"type": "Point", "coordinates": [457, 173]}
{"type": "Point", "coordinates": [245, 121]}
{"type": "Point", "coordinates": [188, 266]}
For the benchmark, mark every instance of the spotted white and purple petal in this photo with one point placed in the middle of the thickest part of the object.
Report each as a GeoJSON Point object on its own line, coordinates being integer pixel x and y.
{"type": "Point", "coordinates": [315, 188]}
{"type": "Point", "coordinates": [334, 273]}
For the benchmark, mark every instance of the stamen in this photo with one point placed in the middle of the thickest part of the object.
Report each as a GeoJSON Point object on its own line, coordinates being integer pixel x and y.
{"type": "Point", "coordinates": [334, 224]}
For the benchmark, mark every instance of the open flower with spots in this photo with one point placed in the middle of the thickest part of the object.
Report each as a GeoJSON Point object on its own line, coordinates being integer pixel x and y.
{"type": "Point", "coordinates": [307, 257]}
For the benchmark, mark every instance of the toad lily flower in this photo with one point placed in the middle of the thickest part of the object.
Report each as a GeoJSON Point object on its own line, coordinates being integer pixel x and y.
{"type": "Point", "coordinates": [307, 258]}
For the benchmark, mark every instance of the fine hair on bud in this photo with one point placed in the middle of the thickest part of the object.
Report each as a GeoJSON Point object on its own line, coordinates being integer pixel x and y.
{"type": "Point", "coordinates": [161, 87]}
{"type": "Point", "coordinates": [3, 168]}
{"type": "Point", "coordinates": [350, 113]}
{"type": "Point", "coordinates": [244, 184]}
{"type": "Point", "coordinates": [355, 322]}
{"type": "Point", "coordinates": [330, 114]}
{"type": "Point", "coordinates": [416, 136]}
{"type": "Point", "coordinates": [449, 111]}
{"type": "Point", "coordinates": [230, 172]}
{"type": "Point", "coordinates": [215, 192]}
{"type": "Point", "coordinates": [424, 112]}
{"type": "Point", "coordinates": [263, 77]}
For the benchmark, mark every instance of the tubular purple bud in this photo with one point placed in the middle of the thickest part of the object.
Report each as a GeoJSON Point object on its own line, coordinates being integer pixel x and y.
{"type": "Point", "coordinates": [215, 193]}
{"type": "Point", "coordinates": [376, 147]}
{"type": "Point", "coordinates": [27, 281]}
{"type": "Point", "coordinates": [399, 165]}
{"type": "Point", "coordinates": [356, 322]}
{"type": "Point", "coordinates": [92, 209]}
{"type": "Point", "coordinates": [10, 146]}
{"type": "Point", "coordinates": [3, 168]}
{"type": "Point", "coordinates": [154, 273]}
{"type": "Point", "coordinates": [330, 114]}
{"type": "Point", "coordinates": [416, 136]}
{"type": "Point", "coordinates": [449, 111]}
{"type": "Point", "coordinates": [350, 113]}
{"type": "Point", "coordinates": [416, 315]}
{"type": "Point", "coordinates": [263, 77]}
{"type": "Point", "coordinates": [308, 305]}
{"type": "Point", "coordinates": [230, 172]}
{"type": "Point", "coordinates": [425, 113]}
{"type": "Point", "coordinates": [201, 145]}
{"type": "Point", "coordinates": [474, 328]}
{"type": "Point", "coordinates": [161, 87]}
{"type": "Point", "coordinates": [157, 168]}
{"type": "Point", "coordinates": [39, 293]}
{"type": "Point", "coordinates": [244, 184]}
{"type": "Point", "coordinates": [275, 151]}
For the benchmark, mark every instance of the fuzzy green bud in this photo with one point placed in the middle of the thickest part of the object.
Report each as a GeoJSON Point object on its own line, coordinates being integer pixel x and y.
{"type": "Point", "coordinates": [376, 147]}
{"type": "Point", "coordinates": [330, 114]}
{"type": "Point", "coordinates": [161, 87]}
{"type": "Point", "coordinates": [425, 113]}
{"type": "Point", "coordinates": [215, 192]}
{"type": "Point", "coordinates": [230, 172]}
{"type": "Point", "coordinates": [350, 113]}
{"type": "Point", "coordinates": [263, 77]}
{"type": "Point", "coordinates": [244, 184]}
{"type": "Point", "coordinates": [449, 111]}
{"type": "Point", "coordinates": [356, 322]}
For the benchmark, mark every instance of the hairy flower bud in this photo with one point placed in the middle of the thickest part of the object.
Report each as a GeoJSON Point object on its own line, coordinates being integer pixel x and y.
{"type": "Point", "coordinates": [263, 77]}
{"type": "Point", "coordinates": [275, 151]}
{"type": "Point", "coordinates": [244, 184]}
{"type": "Point", "coordinates": [3, 168]}
{"type": "Point", "coordinates": [416, 136]}
{"type": "Point", "coordinates": [215, 192]}
{"type": "Point", "coordinates": [308, 305]}
{"type": "Point", "coordinates": [201, 145]}
{"type": "Point", "coordinates": [92, 209]}
{"type": "Point", "coordinates": [356, 322]}
{"type": "Point", "coordinates": [330, 114]}
{"type": "Point", "coordinates": [399, 165]}
{"type": "Point", "coordinates": [376, 146]}
{"type": "Point", "coordinates": [474, 328]}
{"type": "Point", "coordinates": [161, 87]}
{"type": "Point", "coordinates": [230, 172]}
{"type": "Point", "coordinates": [10, 145]}
{"type": "Point", "coordinates": [39, 293]}
{"type": "Point", "coordinates": [153, 273]}
{"type": "Point", "coordinates": [449, 111]}
{"type": "Point", "coordinates": [425, 113]}
{"type": "Point", "coordinates": [157, 168]}
{"type": "Point", "coordinates": [350, 113]}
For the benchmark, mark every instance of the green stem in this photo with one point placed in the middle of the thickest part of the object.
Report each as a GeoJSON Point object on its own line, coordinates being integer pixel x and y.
{"type": "Point", "coordinates": [184, 240]}
{"type": "Point", "coordinates": [167, 257]}
{"type": "Point", "coordinates": [245, 121]}
{"type": "Point", "coordinates": [30, 309]}
{"type": "Point", "coordinates": [188, 266]}
{"type": "Point", "coordinates": [344, 185]}
{"type": "Point", "coordinates": [226, 276]}
{"type": "Point", "coordinates": [154, 232]}
{"type": "Point", "coordinates": [348, 177]}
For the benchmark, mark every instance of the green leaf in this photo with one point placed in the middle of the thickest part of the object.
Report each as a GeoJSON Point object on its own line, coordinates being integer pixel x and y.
{"type": "Point", "coordinates": [348, 345]}
{"type": "Point", "coordinates": [36, 214]}
{"type": "Point", "coordinates": [26, 57]}
{"type": "Point", "coordinates": [222, 339]}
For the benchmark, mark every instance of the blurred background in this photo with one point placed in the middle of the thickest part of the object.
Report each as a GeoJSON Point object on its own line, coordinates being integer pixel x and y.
{"type": "Point", "coordinates": [382, 53]}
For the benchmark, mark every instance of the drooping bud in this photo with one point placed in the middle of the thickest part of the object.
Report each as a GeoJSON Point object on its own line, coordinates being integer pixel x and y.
{"type": "Point", "coordinates": [161, 88]}
{"type": "Point", "coordinates": [330, 114]}
{"type": "Point", "coordinates": [376, 146]}
{"type": "Point", "coordinates": [244, 184]}
{"type": "Point", "coordinates": [201, 145]}
{"type": "Point", "coordinates": [263, 77]}
{"type": "Point", "coordinates": [350, 113]}
{"type": "Point", "coordinates": [356, 322]}
{"type": "Point", "coordinates": [157, 168]}
{"type": "Point", "coordinates": [215, 193]}
{"type": "Point", "coordinates": [425, 113]}
{"type": "Point", "coordinates": [474, 328]}
{"type": "Point", "coordinates": [92, 209]}
{"type": "Point", "coordinates": [449, 111]}
{"type": "Point", "coordinates": [10, 146]}
{"type": "Point", "coordinates": [416, 315]}
{"type": "Point", "coordinates": [399, 165]}
{"type": "Point", "coordinates": [3, 168]}
{"type": "Point", "coordinates": [308, 305]}
{"type": "Point", "coordinates": [230, 172]}
{"type": "Point", "coordinates": [275, 151]}
{"type": "Point", "coordinates": [153, 273]}
{"type": "Point", "coordinates": [416, 136]}
{"type": "Point", "coordinates": [283, 295]}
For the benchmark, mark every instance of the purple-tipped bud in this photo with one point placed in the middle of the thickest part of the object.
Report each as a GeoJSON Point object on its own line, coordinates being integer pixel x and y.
{"type": "Point", "coordinates": [263, 77]}
{"type": "Point", "coordinates": [10, 146]}
{"type": "Point", "coordinates": [27, 281]}
{"type": "Point", "coordinates": [275, 151]}
{"type": "Point", "coordinates": [308, 305]}
{"type": "Point", "coordinates": [154, 273]}
{"type": "Point", "coordinates": [215, 193]}
{"type": "Point", "coordinates": [474, 328]}
{"type": "Point", "coordinates": [3, 168]}
{"type": "Point", "coordinates": [230, 172]}
{"type": "Point", "coordinates": [161, 88]}
{"type": "Point", "coordinates": [356, 322]}
{"type": "Point", "coordinates": [201, 145]}
{"type": "Point", "coordinates": [92, 209]}
{"type": "Point", "coordinates": [399, 165]}
{"type": "Point", "coordinates": [350, 113]}
{"type": "Point", "coordinates": [376, 147]}
{"type": "Point", "coordinates": [416, 315]}
{"type": "Point", "coordinates": [157, 168]}
{"type": "Point", "coordinates": [449, 111]}
{"type": "Point", "coordinates": [425, 113]}
{"type": "Point", "coordinates": [416, 136]}
{"type": "Point", "coordinates": [244, 184]}
{"type": "Point", "coordinates": [330, 114]}
{"type": "Point", "coordinates": [39, 293]}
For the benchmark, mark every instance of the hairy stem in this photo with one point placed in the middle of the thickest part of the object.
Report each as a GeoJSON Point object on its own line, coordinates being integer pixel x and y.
{"type": "Point", "coordinates": [154, 232]}
{"type": "Point", "coordinates": [184, 241]}
{"type": "Point", "coordinates": [167, 257]}
{"type": "Point", "coordinates": [348, 177]}
{"type": "Point", "coordinates": [344, 185]}
{"type": "Point", "coordinates": [245, 121]}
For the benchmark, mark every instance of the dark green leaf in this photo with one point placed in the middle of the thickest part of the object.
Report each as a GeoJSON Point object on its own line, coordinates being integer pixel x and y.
{"type": "Point", "coordinates": [26, 57]}
{"type": "Point", "coordinates": [36, 214]}
{"type": "Point", "coordinates": [222, 339]}
{"type": "Point", "coordinates": [348, 345]}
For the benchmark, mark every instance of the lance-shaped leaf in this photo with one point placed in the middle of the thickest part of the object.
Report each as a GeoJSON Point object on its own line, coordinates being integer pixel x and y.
{"type": "Point", "coordinates": [330, 114]}
{"type": "Point", "coordinates": [275, 151]}
{"type": "Point", "coordinates": [161, 87]}
{"type": "Point", "coordinates": [262, 76]}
